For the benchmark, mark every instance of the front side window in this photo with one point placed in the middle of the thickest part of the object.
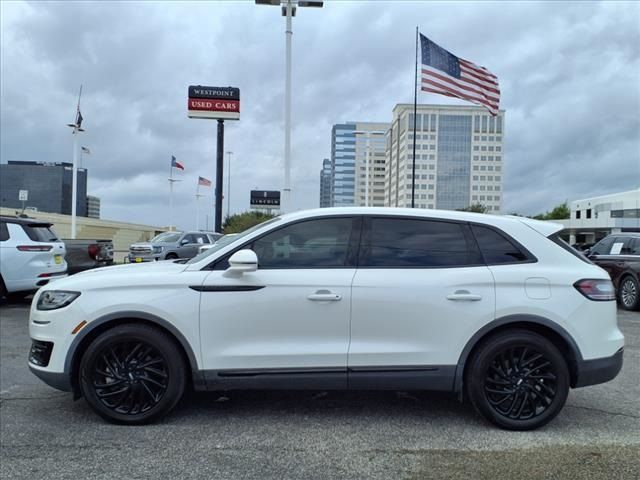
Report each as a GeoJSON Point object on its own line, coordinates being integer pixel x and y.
{"type": "Point", "coordinates": [496, 248]}
{"type": "Point", "coordinates": [416, 243]}
{"type": "Point", "coordinates": [319, 243]}
{"type": "Point", "coordinates": [602, 247]}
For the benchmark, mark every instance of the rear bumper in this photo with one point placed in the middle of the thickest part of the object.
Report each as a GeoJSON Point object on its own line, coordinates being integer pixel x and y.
{"type": "Point", "coordinates": [598, 370]}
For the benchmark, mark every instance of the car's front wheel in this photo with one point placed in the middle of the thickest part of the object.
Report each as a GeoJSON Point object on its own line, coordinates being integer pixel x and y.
{"type": "Point", "coordinates": [132, 374]}
{"type": "Point", "coordinates": [629, 293]}
{"type": "Point", "coordinates": [518, 380]}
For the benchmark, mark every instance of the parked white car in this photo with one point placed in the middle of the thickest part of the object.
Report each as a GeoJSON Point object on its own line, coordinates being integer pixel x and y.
{"type": "Point", "coordinates": [31, 255]}
{"type": "Point", "coordinates": [497, 309]}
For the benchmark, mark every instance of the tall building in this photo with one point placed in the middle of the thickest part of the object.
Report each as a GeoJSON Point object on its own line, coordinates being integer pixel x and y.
{"type": "Point", "coordinates": [356, 146]}
{"type": "Point", "coordinates": [459, 157]}
{"type": "Point", "coordinates": [326, 181]}
{"type": "Point", "coordinates": [343, 160]}
{"type": "Point", "coordinates": [370, 157]}
{"type": "Point", "coordinates": [48, 186]}
{"type": "Point", "coordinates": [93, 206]}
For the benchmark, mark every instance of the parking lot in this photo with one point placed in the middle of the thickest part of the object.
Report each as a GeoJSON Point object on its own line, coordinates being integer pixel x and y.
{"type": "Point", "coordinates": [265, 435]}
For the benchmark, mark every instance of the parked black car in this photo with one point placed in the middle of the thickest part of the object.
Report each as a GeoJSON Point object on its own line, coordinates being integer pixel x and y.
{"type": "Point", "coordinates": [619, 254]}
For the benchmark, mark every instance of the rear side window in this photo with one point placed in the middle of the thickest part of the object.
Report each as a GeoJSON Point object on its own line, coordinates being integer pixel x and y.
{"type": "Point", "coordinates": [4, 232]}
{"type": "Point", "coordinates": [40, 233]}
{"type": "Point", "coordinates": [497, 248]}
{"type": "Point", "coordinates": [417, 243]}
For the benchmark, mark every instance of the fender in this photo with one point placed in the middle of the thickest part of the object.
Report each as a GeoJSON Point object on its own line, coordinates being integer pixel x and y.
{"type": "Point", "coordinates": [505, 321]}
{"type": "Point", "coordinates": [131, 314]}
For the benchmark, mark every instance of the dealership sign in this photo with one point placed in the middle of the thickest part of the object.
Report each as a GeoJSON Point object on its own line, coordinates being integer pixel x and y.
{"type": "Point", "coordinates": [214, 102]}
{"type": "Point", "coordinates": [265, 199]}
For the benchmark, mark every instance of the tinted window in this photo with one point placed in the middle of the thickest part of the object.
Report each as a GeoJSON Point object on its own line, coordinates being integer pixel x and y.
{"type": "Point", "coordinates": [496, 248]}
{"type": "Point", "coordinates": [200, 238]}
{"type": "Point", "coordinates": [635, 247]}
{"type": "Point", "coordinates": [399, 242]}
{"type": "Point", "coordinates": [602, 247]}
{"type": "Point", "coordinates": [40, 233]}
{"type": "Point", "coordinates": [189, 238]}
{"type": "Point", "coordinates": [625, 249]}
{"type": "Point", "coordinates": [310, 244]}
{"type": "Point", "coordinates": [4, 232]}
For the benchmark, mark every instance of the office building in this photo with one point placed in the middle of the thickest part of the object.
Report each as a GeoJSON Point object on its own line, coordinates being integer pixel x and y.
{"type": "Point", "coordinates": [48, 186]}
{"type": "Point", "coordinates": [370, 159]}
{"type": "Point", "coordinates": [459, 157]}
{"type": "Point", "coordinates": [93, 206]}
{"type": "Point", "coordinates": [326, 181]}
{"type": "Point", "coordinates": [356, 147]}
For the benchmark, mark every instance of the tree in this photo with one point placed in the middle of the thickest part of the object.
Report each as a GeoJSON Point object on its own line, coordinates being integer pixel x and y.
{"type": "Point", "coordinates": [476, 208]}
{"type": "Point", "coordinates": [559, 212]}
{"type": "Point", "coordinates": [241, 221]}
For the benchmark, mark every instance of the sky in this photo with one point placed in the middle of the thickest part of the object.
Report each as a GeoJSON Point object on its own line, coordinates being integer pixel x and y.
{"type": "Point", "coordinates": [569, 75]}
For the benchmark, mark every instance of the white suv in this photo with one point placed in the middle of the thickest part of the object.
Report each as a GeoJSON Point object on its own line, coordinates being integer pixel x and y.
{"type": "Point", "coordinates": [493, 307]}
{"type": "Point", "coordinates": [30, 255]}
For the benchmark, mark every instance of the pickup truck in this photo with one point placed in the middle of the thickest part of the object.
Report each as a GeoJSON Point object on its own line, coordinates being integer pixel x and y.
{"type": "Point", "coordinates": [86, 254]}
{"type": "Point", "coordinates": [171, 245]}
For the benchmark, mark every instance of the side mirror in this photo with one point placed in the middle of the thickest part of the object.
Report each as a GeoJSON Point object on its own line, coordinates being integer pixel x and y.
{"type": "Point", "coordinates": [184, 241]}
{"type": "Point", "coordinates": [243, 261]}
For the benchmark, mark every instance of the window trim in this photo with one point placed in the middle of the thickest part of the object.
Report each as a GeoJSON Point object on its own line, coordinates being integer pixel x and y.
{"type": "Point", "coordinates": [366, 242]}
{"type": "Point", "coordinates": [353, 245]}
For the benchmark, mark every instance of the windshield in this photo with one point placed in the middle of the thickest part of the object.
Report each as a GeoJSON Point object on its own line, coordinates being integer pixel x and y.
{"type": "Point", "coordinates": [166, 237]}
{"type": "Point", "coordinates": [228, 239]}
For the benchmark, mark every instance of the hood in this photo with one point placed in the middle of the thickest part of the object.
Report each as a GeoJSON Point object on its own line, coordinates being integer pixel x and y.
{"type": "Point", "coordinates": [116, 275]}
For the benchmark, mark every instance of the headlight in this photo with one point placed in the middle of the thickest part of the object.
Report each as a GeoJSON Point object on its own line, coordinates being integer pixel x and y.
{"type": "Point", "coordinates": [53, 299]}
{"type": "Point", "coordinates": [157, 249]}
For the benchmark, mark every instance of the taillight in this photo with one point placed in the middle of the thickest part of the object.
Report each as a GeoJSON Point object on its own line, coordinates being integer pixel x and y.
{"type": "Point", "coordinates": [34, 248]}
{"type": "Point", "coordinates": [93, 251]}
{"type": "Point", "coordinates": [598, 290]}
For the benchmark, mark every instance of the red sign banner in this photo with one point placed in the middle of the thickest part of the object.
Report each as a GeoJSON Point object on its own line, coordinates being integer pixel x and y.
{"type": "Point", "coordinates": [203, 104]}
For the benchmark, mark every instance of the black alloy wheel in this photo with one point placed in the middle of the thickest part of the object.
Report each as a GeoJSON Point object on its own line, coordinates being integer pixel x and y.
{"type": "Point", "coordinates": [518, 380]}
{"type": "Point", "coordinates": [629, 294]}
{"type": "Point", "coordinates": [132, 374]}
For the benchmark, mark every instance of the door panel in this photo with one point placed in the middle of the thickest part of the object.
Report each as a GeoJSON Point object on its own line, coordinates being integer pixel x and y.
{"type": "Point", "coordinates": [276, 325]}
{"type": "Point", "coordinates": [402, 317]}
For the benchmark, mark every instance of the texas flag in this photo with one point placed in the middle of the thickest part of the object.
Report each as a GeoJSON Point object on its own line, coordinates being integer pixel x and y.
{"type": "Point", "coordinates": [176, 163]}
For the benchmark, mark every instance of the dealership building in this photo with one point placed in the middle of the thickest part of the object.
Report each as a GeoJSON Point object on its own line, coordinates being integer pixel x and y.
{"type": "Point", "coordinates": [592, 219]}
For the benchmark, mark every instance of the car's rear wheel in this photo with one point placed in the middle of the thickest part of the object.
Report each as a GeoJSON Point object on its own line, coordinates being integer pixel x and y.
{"type": "Point", "coordinates": [518, 380]}
{"type": "Point", "coordinates": [629, 293]}
{"type": "Point", "coordinates": [132, 374]}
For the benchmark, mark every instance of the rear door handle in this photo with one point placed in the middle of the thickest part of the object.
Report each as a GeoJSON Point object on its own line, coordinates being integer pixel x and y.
{"type": "Point", "coordinates": [324, 296]}
{"type": "Point", "coordinates": [464, 295]}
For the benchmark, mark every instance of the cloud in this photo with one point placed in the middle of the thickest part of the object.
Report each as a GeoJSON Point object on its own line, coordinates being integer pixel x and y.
{"type": "Point", "coordinates": [569, 72]}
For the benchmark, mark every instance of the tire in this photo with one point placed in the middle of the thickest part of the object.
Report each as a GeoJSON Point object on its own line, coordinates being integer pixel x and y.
{"type": "Point", "coordinates": [629, 293]}
{"type": "Point", "coordinates": [515, 395]}
{"type": "Point", "coordinates": [132, 374]}
{"type": "Point", "coordinates": [171, 256]}
{"type": "Point", "coordinates": [3, 292]}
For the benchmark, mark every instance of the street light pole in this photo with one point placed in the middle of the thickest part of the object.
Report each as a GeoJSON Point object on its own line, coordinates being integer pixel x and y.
{"type": "Point", "coordinates": [288, 10]}
{"type": "Point", "coordinates": [229, 185]}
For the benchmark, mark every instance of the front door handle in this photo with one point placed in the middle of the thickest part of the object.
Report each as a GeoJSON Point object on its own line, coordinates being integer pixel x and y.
{"type": "Point", "coordinates": [324, 296]}
{"type": "Point", "coordinates": [464, 295]}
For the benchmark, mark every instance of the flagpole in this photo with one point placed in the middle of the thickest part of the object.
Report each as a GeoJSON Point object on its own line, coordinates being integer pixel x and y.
{"type": "Point", "coordinates": [171, 198]}
{"type": "Point", "coordinates": [415, 114]}
{"type": "Point", "coordinates": [198, 206]}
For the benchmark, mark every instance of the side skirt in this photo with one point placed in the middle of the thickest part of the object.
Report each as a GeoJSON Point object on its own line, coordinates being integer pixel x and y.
{"type": "Point", "coordinates": [427, 377]}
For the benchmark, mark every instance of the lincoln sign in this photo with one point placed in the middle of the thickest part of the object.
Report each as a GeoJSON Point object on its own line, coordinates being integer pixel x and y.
{"type": "Point", "coordinates": [214, 102]}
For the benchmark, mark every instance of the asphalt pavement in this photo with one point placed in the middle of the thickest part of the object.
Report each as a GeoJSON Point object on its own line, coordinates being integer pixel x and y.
{"type": "Point", "coordinates": [312, 435]}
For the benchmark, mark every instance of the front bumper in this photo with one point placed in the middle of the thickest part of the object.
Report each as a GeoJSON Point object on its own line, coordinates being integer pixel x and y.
{"type": "Point", "coordinates": [598, 370]}
{"type": "Point", "coordinates": [57, 380]}
{"type": "Point", "coordinates": [147, 257]}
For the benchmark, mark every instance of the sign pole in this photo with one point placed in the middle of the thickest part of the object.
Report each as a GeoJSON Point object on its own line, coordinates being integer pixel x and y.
{"type": "Point", "coordinates": [219, 176]}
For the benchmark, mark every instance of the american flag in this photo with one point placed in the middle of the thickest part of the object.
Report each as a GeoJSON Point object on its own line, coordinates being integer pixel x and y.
{"type": "Point", "coordinates": [204, 182]}
{"type": "Point", "coordinates": [446, 74]}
